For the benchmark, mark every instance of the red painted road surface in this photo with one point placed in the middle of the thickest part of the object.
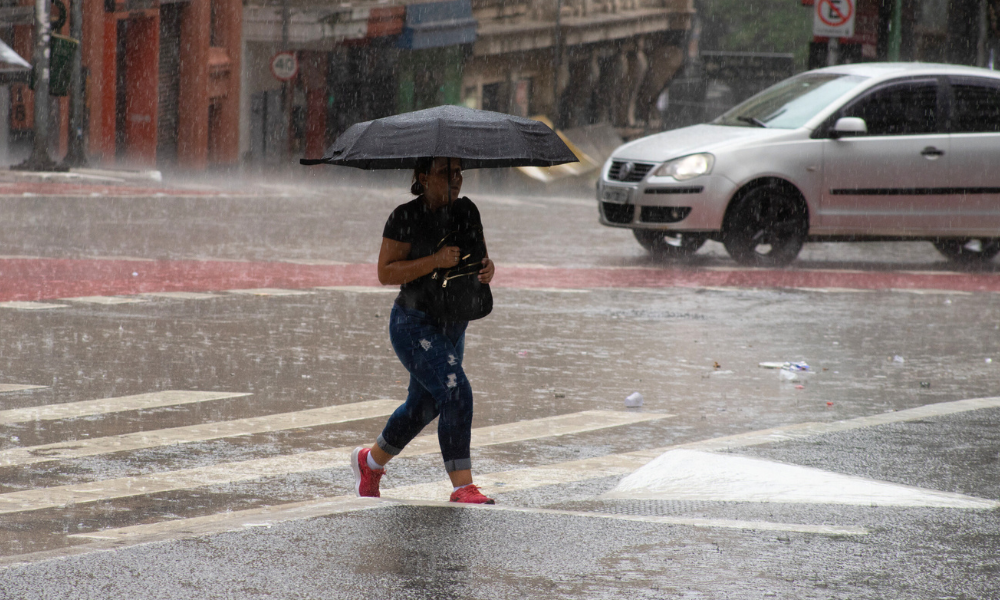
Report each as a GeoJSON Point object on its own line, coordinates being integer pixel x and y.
{"type": "Point", "coordinates": [49, 278]}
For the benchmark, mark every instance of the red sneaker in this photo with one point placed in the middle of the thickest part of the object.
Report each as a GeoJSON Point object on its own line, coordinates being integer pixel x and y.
{"type": "Point", "coordinates": [470, 494]}
{"type": "Point", "coordinates": [365, 478]}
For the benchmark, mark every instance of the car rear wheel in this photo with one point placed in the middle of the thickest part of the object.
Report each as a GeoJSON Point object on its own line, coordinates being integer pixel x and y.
{"type": "Point", "coordinates": [970, 250]}
{"type": "Point", "coordinates": [672, 244]}
{"type": "Point", "coordinates": [766, 227]}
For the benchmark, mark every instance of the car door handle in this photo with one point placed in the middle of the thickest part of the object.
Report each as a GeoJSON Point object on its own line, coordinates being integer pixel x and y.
{"type": "Point", "coordinates": [931, 151]}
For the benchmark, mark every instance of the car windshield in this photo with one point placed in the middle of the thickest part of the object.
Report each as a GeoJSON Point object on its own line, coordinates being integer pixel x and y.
{"type": "Point", "coordinates": [789, 104]}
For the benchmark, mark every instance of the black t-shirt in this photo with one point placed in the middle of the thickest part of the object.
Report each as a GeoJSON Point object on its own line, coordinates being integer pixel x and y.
{"type": "Point", "coordinates": [425, 230]}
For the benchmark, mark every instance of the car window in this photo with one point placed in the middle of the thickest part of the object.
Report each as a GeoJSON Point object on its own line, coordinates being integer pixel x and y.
{"type": "Point", "coordinates": [976, 107]}
{"type": "Point", "coordinates": [899, 109]}
{"type": "Point", "coordinates": [791, 103]}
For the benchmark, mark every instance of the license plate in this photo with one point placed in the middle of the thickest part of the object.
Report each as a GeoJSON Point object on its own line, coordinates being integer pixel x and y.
{"type": "Point", "coordinates": [616, 195]}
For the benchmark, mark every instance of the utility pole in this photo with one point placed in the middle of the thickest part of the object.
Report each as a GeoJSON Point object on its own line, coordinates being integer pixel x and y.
{"type": "Point", "coordinates": [76, 155]}
{"type": "Point", "coordinates": [556, 64]}
{"type": "Point", "coordinates": [286, 88]}
{"type": "Point", "coordinates": [896, 30]}
{"type": "Point", "coordinates": [39, 159]}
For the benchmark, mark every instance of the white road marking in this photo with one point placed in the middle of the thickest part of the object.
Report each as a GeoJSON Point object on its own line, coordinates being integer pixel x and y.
{"type": "Point", "coordinates": [23, 305]}
{"type": "Point", "coordinates": [668, 520]}
{"type": "Point", "coordinates": [833, 290]}
{"type": "Point", "coordinates": [234, 472]}
{"type": "Point", "coordinates": [801, 431]}
{"type": "Point", "coordinates": [270, 292]}
{"type": "Point", "coordinates": [86, 408]}
{"type": "Point", "coordinates": [17, 387]}
{"type": "Point", "coordinates": [694, 475]}
{"type": "Point", "coordinates": [103, 300]}
{"type": "Point", "coordinates": [314, 261]}
{"type": "Point", "coordinates": [360, 289]}
{"type": "Point", "coordinates": [554, 290]}
{"type": "Point", "coordinates": [929, 292]}
{"type": "Point", "coordinates": [514, 480]}
{"type": "Point", "coordinates": [182, 295]}
{"type": "Point", "coordinates": [273, 515]}
{"type": "Point", "coordinates": [315, 417]}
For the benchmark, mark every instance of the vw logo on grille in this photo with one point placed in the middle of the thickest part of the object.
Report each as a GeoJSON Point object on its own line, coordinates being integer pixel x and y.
{"type": "Point", "coordinates": [625, 171]}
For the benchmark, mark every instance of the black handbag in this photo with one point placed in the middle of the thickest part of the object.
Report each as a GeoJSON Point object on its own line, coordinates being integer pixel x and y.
{"type": "Point", "coordinates": [456, 292]}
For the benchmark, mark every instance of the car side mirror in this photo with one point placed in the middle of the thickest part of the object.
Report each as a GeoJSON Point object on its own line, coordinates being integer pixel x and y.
{"type": "Point", "coordinates": [849, 126]}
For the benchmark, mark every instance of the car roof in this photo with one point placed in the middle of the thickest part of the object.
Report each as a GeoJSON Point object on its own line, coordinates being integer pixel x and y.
{"type": "Point", "coordinates": [887, 70]}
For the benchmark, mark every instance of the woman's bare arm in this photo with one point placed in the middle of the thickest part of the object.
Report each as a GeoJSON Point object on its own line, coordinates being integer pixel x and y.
{"type": "Point", "coordinates": [394, 269]}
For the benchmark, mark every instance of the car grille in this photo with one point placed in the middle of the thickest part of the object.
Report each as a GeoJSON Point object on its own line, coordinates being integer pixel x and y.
{"type": "Point", "coordinates": [664, 214]}
{"type": "Point", "coordinates": [631, 172]}
{"type": "Point", "coordinates": [617, 213]}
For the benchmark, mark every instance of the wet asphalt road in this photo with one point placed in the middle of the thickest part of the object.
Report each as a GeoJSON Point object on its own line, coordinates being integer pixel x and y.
{"type": "Point", "coordinates": [544, 353]}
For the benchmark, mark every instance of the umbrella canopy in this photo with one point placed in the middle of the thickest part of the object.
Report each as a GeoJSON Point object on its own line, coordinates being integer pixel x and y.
{"type": "Point", "coordinates": [481, 138]}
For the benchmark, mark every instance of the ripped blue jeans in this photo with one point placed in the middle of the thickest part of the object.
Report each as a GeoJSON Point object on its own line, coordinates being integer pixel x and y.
{"type": "Point", "coordinates": [432, 353]}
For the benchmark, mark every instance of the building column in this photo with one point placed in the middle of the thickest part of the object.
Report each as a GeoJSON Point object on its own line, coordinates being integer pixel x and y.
{"type": "Point", "coordinates": [98, 47]}
{"type": "Point", "coordinates": [637, 73]}
{"type": "Point", "coordinates": [192, 125]}
{"type": "Point", "coordinates": [142, 78]}
{"type": "Point", "coordinates": [229, 21]}
{"type": "Point", "coordinates": [313, 73]}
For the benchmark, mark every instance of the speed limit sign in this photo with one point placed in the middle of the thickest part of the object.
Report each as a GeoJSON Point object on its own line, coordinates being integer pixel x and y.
{"type": "Point", "coordinates": [284, 66]}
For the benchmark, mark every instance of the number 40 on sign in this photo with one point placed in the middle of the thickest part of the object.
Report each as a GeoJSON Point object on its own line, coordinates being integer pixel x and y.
{"type": "Point", "coordinates": [284, 66]}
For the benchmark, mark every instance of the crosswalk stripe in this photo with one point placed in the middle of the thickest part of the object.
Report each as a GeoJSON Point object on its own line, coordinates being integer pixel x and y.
{"type": "Point", "coordinates": [182, 295]}
{"type": "Point", "coordinates": [17, 387]}
{"type": "Point", "coordinates": [273, 515]}
{"type": "Point", "coordinates": [800, 431]}
{"type": "Point", "coordinates": [234, 472]}
{"type": "Point", "coordinates": [326, 415]}
{"type": "Point", "coordinates": [24, 305]}
{"type": "Point", "coordinates": [109, 300]}
{"type": "Point", "coordinates": [270, 292]}
{"type": "Point", "coordinates": [521, 479]}
{"type": "Point", "coordinates": [72, 410]}
{"type": "Point", "coordinates": [359, 289]}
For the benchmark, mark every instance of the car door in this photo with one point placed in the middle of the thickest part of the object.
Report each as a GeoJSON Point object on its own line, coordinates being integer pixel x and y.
{"type": "Point", "coordinates": [975, 155]}
{"type": "Point", "coordinates": [893, 179]}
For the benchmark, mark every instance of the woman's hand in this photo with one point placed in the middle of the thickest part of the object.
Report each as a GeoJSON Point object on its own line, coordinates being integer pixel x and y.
{"type": "Point", "coordinates": [486, 273]}
{"type": "Point", "coordinates": [447, 257]}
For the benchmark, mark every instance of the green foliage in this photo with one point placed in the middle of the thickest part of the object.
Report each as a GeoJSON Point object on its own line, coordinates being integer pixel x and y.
{"type": "Point", "coordinates": [757, 26]}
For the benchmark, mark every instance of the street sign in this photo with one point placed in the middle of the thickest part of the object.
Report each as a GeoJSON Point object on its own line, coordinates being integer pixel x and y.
{"type": "Point", "coordinates": [284, 66]}
{"type": "Point", "coordinates": [833, 18]}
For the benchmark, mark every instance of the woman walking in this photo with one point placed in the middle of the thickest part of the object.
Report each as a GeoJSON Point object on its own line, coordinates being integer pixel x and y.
{"type": "Point", "coordinates": [415, 245]}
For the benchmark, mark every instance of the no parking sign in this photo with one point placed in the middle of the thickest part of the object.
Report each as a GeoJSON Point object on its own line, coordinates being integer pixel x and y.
{"type": "Point", "coordinates": [833, 18]}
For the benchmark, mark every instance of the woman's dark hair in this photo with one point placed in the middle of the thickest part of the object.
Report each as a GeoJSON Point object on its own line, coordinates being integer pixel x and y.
{"type": "Point", "coordinates": [422, 167]}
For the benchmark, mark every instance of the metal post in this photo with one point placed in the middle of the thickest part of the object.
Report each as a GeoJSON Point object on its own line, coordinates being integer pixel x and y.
{"type": "Point", "coordinates": [556, 64]}
{"type": "Point", "coordinates": [983, 34]}
{"type": "Point", "coordinates": [832, 51]}
{"type": "Point", "coordinates": [896, 30]}
{"type": "Point", "coordinates": [39, 159]}
{"type": "Point", "coordinates": [286, 88]}
{"type": "Point", "coordinates": [76, 155]}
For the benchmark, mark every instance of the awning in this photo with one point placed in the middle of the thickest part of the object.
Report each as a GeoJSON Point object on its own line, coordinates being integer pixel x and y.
{"type": "Point", "coordinates": [12, 66]}
{"type": "Point", "coordinates": [438, 24]}
{"type": "Point", "coordinates": [315, 28]}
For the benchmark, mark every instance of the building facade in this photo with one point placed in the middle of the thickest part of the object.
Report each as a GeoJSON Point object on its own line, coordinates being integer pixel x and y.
{"type": "Point", "coordinates": [161, 81]}
{"type": "Point", "coordinates": [576, 61]}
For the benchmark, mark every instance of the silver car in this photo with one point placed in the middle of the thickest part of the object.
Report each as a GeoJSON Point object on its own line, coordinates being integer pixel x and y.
{"type": "Point", "coordinates": [865, 152]}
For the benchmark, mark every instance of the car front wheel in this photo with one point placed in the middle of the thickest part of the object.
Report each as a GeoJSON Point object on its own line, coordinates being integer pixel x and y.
{"type": "Point", "coordinates": [670, 244]}
{"type": "Point", "coordinates": [968, 251]}
{"type": "Point", "coordinates": [766, 227]}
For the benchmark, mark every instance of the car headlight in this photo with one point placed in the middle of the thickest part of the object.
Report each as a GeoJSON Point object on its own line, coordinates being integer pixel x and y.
{"type": "Point", "coordinates": [686, 167]}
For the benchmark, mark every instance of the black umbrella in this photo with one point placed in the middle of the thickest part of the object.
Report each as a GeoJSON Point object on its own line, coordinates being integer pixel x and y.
{"type": "Point", "coordinates": [481, 138]}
